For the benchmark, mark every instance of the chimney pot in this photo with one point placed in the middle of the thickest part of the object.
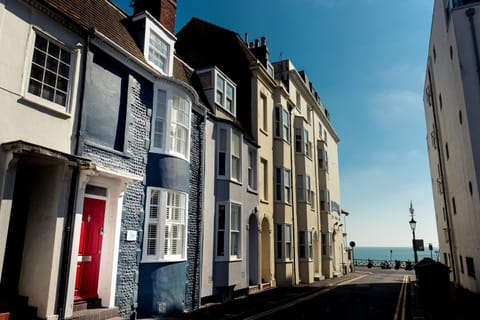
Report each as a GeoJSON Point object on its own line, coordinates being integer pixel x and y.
{"type": "Point", "coordinates": [256, 43]}
{"type": "Point", "coordinates": [264, 41]}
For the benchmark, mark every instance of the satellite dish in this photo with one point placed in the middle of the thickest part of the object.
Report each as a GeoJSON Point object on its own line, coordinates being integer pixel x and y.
{"type": "Point", "coordinates": [352, 244]}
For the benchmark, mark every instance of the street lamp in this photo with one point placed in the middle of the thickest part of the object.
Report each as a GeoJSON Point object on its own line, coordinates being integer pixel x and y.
{"type": "Point", "coordinates": [413, 224]}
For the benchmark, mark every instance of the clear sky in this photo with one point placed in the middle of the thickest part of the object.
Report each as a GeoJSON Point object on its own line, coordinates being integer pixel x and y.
{"type": "Point", "coordinates": [367, 60]}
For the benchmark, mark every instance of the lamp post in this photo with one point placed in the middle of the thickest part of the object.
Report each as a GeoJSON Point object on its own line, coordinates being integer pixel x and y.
{"type": "Point", "coordinates": [413, 224]}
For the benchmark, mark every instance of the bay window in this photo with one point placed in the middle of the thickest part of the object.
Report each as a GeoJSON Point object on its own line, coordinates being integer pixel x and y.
{"type": "Point", "coordinates": [171, 124]}
{"type": "Point", "coordinates": [283, 241]}
{"type": "Point", "coordinates": [282, 185]}
{"type": "Point", "coordinates": [282, 123]}
{"type": "Point", "coordinates": [229, 154]}
{"type": "Point", "coordinates": [229, 233]}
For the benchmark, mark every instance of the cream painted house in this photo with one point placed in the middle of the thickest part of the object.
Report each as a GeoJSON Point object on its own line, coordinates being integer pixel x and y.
{"type": "Point", "coordinates": [451, 100]}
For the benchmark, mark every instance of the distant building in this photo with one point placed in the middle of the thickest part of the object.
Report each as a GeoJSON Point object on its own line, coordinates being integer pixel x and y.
{"type": "Point", "coordinates": [452, 99]}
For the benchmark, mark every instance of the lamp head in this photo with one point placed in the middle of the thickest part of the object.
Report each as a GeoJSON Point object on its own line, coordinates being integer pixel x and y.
{"type": "Point", "coordinates": [413, 224]}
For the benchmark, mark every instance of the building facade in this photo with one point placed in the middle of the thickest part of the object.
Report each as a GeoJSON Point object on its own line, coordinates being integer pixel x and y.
{"type": "Point", "coordinates": [451, 97]}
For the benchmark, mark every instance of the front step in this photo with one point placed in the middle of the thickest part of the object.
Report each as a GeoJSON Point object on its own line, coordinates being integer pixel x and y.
{"type": "Point", "coordinates": [95, 313]}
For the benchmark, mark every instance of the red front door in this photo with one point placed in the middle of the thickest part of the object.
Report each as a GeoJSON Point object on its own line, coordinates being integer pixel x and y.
{"type": "Point", "coordinates": [90, 249]}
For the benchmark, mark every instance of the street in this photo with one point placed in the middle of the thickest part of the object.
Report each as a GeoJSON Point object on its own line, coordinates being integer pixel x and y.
{"type": "Point", "coordinates": [377, 294]}
{"type": "Point", "coordinates": [367, 294]}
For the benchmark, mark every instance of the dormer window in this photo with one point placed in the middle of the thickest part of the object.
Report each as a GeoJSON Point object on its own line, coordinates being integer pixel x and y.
{"type": "Point", "coordinates": [225, 93]}
{"type": "Point", "coordinates": [219, 89]}
{"type": "Point", "coordinates": [158, 43]}
{"type": "Point", "coordinates": [158, 51]}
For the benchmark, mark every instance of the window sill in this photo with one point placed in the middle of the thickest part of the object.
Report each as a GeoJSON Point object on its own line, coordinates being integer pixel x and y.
{"type": "Point", "coordinates": [163, 261]}
{"type": "Point", "coordinates": [250, 190]}
{"type": "Point", "coordinates": [45, 106]}
{"type": "Point", "coordinates": [126, 155]}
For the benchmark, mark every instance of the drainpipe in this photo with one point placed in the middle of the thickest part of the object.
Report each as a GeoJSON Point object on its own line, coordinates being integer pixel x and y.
{"type": "Point", "coordinates": [470, 13]}
{"type": "Point", "coordinates": [292, 154]}
{"type": "Point", "coordinates": [72, 202]}
{"type": "Point", "coordinates": [442, 178]}
{"type": "Point", "coordinates": [67, 245]}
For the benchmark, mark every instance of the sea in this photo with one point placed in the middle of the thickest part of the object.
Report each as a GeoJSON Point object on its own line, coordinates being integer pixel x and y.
{"type": "Point", "coordinates": [392, 253]}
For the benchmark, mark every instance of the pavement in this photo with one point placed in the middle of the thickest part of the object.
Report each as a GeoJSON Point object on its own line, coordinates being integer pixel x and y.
{"type": "Point", "coordinates": [426, 302]}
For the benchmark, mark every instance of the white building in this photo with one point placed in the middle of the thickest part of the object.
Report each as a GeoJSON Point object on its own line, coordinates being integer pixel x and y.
{"type": "Point", "coordinates": [451, 99]}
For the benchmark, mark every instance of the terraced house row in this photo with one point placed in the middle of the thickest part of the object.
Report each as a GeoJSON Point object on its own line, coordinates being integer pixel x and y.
{"type": "Point", "coordinates": [144, 173]}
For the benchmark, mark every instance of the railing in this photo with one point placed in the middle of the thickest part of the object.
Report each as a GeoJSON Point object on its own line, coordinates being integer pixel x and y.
{"type": "Point", "coordinates": [378, 263]}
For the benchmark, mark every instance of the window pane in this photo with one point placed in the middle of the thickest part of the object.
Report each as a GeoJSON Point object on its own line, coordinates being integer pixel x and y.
{"type": "Point", "coordinates": [158, 51]}
{"type": "Point", "coordinates": [49, 76]}
{"type": "Point", "coordinates": [152, 239]}
{"type": "Point", "coordinates": [160, 111]}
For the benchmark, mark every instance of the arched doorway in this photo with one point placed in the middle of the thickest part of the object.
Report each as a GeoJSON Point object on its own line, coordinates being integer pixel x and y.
{"type": "Point", "coordinates": [266, 232]}
{"type": "Point", "coordinates": [253, 250]}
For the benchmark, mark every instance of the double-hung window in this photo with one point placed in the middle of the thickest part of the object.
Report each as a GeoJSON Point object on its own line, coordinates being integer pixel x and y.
{"type": "Point", "coordinates": [171, 124]}
{"type": "Point", "coordinates": [282, 123]}
{"type": "Point", "coordinates": [325, 200]}
{"type": "Point", "coordinates": [229, 154]}
{"type": "Point", "coordinates": [225, 93]}
{"type": "Point", "coordinates": [165, 225]}
{"type": "Point", "coordinates": [302, 142]}
{"type": "Point", "coordinates": [300, 188]}
{"type": "Point", "coordinates": [50, 73]}
{"type": "Point", "coordinates": [322, 158]}
{"type": "Point", "coordinates": [158, 46]}
{"type": "Point", "coordinates": [252, 169]}
{"type": "Point", "coordinates": [303, 188]}
{"type": "Point", "coordinates": [236, 156]}
{"type": "Point", "coordinates": [158, 51]}
{"type": "Point", "coordinates": [283, 242]}
{"type": "Point", "coordinates": [305, 245]}
{"type": "Point", "coordinates": [308, 190]}
{"type": "Point", "coordinates": [229, 233]}
{"type": "Point", "coordinates": [283, 185]}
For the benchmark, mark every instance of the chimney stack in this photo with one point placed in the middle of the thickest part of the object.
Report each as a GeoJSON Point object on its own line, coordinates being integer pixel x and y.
{"type": "Point", "coordinates": [162, 10]}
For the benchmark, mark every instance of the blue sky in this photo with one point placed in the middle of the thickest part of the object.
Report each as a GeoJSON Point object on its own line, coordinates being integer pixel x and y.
{"type": "Point", "coordinates": [367, 60]}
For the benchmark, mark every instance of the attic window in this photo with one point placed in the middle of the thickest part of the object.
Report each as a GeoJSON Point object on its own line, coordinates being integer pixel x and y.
{"type": "Point", "coordinates": [225, 93]}
{"type": "Point", "coordinates": [158, 51]}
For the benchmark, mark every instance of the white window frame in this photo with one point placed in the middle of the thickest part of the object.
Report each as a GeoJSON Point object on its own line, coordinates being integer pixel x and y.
{"type": "Point", "coordinates": [252, 169]}
{"type": "Point", "coordinates": [229, 154]}
{"type": "Point", "coordinates": [225, 98]}
{"type": "Point", "coordinates": [281, 124]}
{"type": "Point", "coordinates": [305, 245]}
{"type": "Point", "coordinates": [300, 188]}
{"type": "Point", "coordinates": [281, 186]}
{"type": "Point", "coordinates": [71, 90]}
{"type": "Point", "coordinates": [165, 36]}
{"type": "Point", "coordinates": [161, 222]}
{"type": "Point", "coordinates": [167, 118]}
{"type": "Point", "coordinates": [283, 242]}
{"type": "Point", "coordinates": [229, 229]}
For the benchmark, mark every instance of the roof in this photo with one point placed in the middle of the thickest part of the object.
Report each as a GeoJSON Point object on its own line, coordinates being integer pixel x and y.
{"type": "Point", "coordinates": [102, 16]}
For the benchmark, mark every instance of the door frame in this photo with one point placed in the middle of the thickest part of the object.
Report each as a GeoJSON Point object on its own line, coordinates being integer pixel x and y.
{"type": "Point", "coordinates": [101, 198]}
{"type": "Point", "coordinates": [107, 277]}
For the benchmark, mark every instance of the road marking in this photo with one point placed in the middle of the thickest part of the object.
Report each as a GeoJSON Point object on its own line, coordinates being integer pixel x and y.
{"type": "Point", "coordinates": [308, 297]}
{"type": "Point", "coordinates": [402, 299]}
